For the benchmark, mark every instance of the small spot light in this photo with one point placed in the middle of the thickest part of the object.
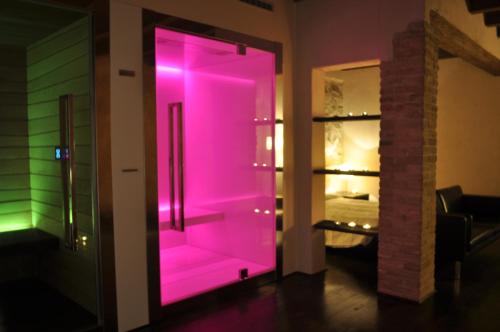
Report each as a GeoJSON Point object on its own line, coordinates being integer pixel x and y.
{"type": "Point", "coordinates": [265, 119]}
{"type": "Point", "coordinates": [264, 164]}
{"type": "Point", "coordinates": [365, 113]}
{"type": "Point", "coordinates": [255, 164]}
{"type": "Point", "coordinates": [367, 226]}
{"type": "Point", "coordinates": [349, 114]}
{"type": "Point", "coordinates": [351, 224]}
{"type": "Point", "coordinates": [337, 223]}
{"type": "Point", "coordinates": [256, 210]}
{"type": "Point", "coordinates": [256, 120]}
{"type": "Point", "coordinates": [267, 212]}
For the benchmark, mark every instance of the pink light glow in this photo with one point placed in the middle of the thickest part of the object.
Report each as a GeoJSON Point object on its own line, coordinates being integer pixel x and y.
{"type": "Point", "coordinates": [168, 69]}
{"type": "Point", "coordinates": [221, 94]}
{"type": "Point", "coordinates": [176, 70]}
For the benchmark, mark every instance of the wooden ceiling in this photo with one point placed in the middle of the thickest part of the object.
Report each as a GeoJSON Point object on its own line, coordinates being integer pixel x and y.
{"type": "Point", "coordinates": [23, 22]}
{"type": "Point", "coordinates": [489, 8]}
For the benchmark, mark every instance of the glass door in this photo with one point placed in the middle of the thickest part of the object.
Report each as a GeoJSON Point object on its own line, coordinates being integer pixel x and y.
{"type": "Point", "coordinates": [48, 273]}
{"type": "Point", "coordinates": [216, 170]}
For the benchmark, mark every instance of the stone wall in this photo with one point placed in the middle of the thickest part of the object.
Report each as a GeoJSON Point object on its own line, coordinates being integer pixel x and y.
{"type": "Point", "coordinates": [408, 165]}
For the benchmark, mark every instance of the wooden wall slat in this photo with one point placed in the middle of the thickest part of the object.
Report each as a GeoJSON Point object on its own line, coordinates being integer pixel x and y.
{"type": "Point", "coordinates": [13, 141]}
{"type": "Point", "coordinates": [51, 123]}
{"type": "Point", "coordinates": [79, 67]}
{"type": "Point", "coordinates": [12, 112]}
{"type": "Point", "coordinates": [8, 153]}
{"type": "Point", "coordinates": [76, 86]}
{"type": "Point", "coordinates": [11, 73]}
{"type": "Point", "coordinates": [7, 86]}
{"type": "Point", "coordinates": [47, 139]}
{"type": "Point", "coordinates": [14, 194]}
{"type": "Point", "coordinates": [14, 207]}
{"type": "Point", "coordinates": [14, 182]}
{"type": "Point", "coordinates": [57, 42]}
{"type": "Point", "coordinates": [46, 167]}
{"type": "Point", "coordinates": [14, 166]}
{"type": "Point", "coordinates": [44, 182]}
{"type": "Point", "coordinates": [12, 98]}
{"type": "Point", "coordinates": [49, 197]}
{"type": "Point", "coordinates": [58, 60]}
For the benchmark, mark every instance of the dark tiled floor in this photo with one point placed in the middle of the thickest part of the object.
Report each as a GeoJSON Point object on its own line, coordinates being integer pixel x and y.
{"type": "Point", "coordinates": [345, 299]}
{"type": "Point", "coordinates": [29, 306]}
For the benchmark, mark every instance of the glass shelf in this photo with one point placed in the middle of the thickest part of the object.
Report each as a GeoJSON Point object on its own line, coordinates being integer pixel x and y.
{"type": "Point", "coordinates": [193, 216]}
{"type": "Point", "coordinates": [348, 172]}
{"type": "Point", "coordinates": [368, 117]}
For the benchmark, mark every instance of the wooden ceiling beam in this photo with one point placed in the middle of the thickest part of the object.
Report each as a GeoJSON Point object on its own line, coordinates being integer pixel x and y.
{"type": "Point", "coordinates": [483, 6]}
{"type": "Point", "coordinates": [454, 41]}
{"type": "Point", "coordinates": [492, 19]}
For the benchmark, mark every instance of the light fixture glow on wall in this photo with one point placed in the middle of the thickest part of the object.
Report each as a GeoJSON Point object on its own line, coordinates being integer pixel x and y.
{"type": "Point", "coordinates": [269, 143]}
{"type": "Point", "coordinates": [168, 69]}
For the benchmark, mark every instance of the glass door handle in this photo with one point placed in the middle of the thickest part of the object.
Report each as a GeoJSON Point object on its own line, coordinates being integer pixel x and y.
{"type": "Point", "coordinates": [68, 171]}
{"type": "Point", "coordinates": [176, 134]}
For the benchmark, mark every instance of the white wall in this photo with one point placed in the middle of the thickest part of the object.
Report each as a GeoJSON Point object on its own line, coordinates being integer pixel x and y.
{"type": "Point", "coordinates": [127, 151]}
{"type": "Point", "coordinates": [468, 133]}
{"type": "Point", "coordinates": [127, 129]}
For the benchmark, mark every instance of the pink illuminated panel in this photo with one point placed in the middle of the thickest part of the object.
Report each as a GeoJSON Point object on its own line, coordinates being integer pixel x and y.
{"type": "Point", "coordinates": [215, 163]}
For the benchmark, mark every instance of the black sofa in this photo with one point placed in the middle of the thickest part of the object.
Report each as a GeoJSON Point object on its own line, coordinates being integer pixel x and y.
{"type": "Point", "coordinates": [465, 223]}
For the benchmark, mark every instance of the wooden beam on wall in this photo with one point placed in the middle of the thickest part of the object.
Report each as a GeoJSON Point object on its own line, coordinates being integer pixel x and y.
{"type": "Point", "coordinates": [458, 43]}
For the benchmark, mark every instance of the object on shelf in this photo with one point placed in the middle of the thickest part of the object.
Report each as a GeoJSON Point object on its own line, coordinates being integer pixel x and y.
{"type": "Point", "coordinates": [346, 172]}
{"type": "Point", "coordinates": [372, 117]}
{"type": "Point", "coordinates": [350, 227]}
{"type": "Point", "coordinates": [348, 194]}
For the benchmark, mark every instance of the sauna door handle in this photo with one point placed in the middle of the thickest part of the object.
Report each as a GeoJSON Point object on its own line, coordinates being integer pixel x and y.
{"type": "Point", "coordinates": [68, 171]}
{"type": "Point", "coordinates": [176, 152]}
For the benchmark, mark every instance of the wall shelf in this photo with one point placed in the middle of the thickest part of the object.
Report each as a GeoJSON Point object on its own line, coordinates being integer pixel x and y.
{"type": "Point", "coordinates": [370, 117]}
{"type": "Point", "coordinates": [330, 225]}
{"type": "Point", "coordinates": [349, 172]}
{"type": "Point", "coordinates": [192, 216]}
{"type": "Point", "coordinates": [266, 122]}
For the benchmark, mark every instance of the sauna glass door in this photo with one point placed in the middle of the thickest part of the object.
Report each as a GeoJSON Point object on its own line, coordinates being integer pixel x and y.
{"type": "Point", "coordinates": [215, 154]}
{"type": "Point", "coordinates": [47, 174]}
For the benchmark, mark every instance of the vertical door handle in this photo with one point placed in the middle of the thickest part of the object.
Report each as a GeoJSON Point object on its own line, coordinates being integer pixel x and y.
{"type": "Point", "coordinates": [175, 114]}
{"type": "Point", "coordinates": [68, 171]}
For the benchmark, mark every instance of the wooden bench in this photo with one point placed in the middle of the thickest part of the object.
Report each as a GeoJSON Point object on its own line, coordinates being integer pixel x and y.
{"type": "Point", "coordinates": [27, 241]}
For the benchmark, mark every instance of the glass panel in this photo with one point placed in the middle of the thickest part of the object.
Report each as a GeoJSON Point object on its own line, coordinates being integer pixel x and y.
{"type": "Point", "coordinates": [47, 167]}
{"type": "Point", "coordinates": [224, 149]}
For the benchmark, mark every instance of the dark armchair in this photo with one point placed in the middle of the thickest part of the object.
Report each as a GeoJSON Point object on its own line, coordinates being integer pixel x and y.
{"type": "Point", "coordinates": [465, 223]}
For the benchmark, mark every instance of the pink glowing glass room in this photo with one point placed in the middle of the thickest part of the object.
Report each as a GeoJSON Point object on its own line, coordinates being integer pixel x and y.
{"type": "Point", "coordinates": [215, 134]}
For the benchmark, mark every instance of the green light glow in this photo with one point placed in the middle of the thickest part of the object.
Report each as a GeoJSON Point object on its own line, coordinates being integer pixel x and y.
{"type": "Point", "coordinates": [13, 226]}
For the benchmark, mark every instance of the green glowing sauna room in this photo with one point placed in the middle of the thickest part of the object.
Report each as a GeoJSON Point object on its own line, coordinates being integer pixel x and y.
{"type": "Point", "coordinates": [47, 239]}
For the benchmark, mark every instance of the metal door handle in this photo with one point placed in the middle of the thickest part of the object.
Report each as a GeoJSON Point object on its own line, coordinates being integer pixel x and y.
{"type": "Point", "coordinates": [172, 116]}
{"type": "Point", "coordinates": [68, 171]}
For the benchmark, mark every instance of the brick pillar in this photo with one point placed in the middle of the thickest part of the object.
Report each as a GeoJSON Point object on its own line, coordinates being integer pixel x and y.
{"type": "Point", "coordinates": [408, 166]}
